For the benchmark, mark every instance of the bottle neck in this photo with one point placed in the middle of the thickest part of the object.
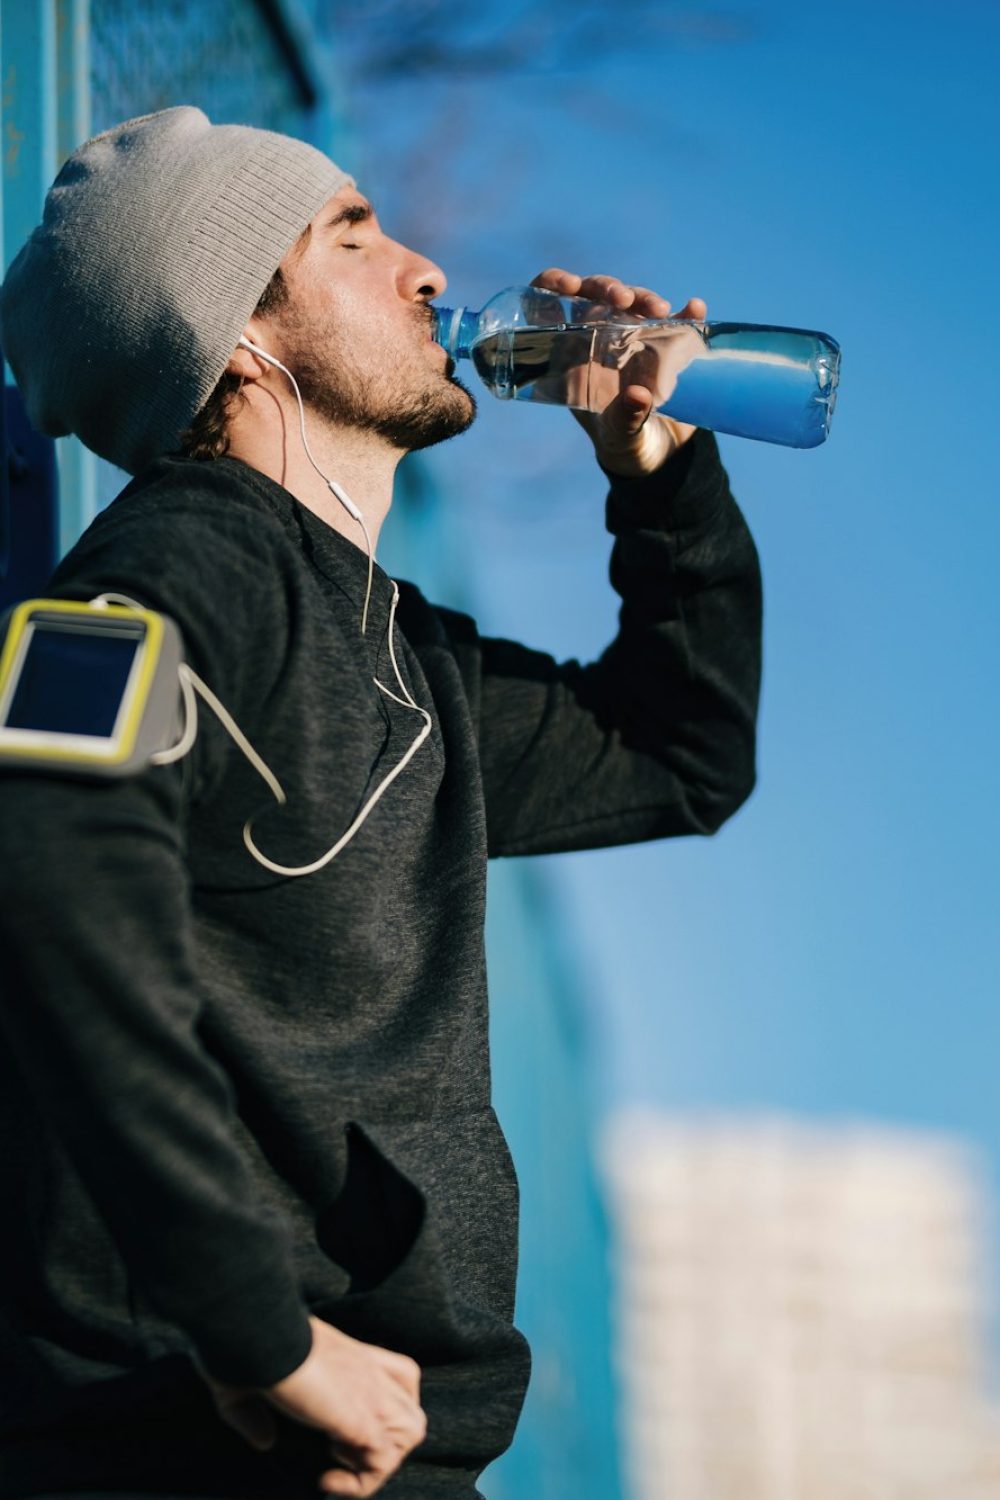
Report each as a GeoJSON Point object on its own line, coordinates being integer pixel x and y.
{"type": "Point", "coordinates": [455, 329]}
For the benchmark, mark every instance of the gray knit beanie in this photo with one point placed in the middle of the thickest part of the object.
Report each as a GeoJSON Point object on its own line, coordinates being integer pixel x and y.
{"type": "Point", "coordinates": [121, 312]}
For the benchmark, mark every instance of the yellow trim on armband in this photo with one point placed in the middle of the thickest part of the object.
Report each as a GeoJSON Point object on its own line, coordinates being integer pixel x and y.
{"type": "Point", "coordinates": [149, 646]}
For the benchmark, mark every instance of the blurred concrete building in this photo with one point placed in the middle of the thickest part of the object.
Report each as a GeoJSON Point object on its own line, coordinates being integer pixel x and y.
{"type": "Point", "coordinates": [72, 68]}
{"type": "Point", "coordinates": [803, 1313]}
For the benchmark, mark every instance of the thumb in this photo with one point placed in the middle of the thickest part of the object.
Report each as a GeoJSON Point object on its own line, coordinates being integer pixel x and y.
{"type": "Point", "coordinates": [621, 425]}
{"type": "Point", "coordinates": [636, 406]}
{"type": "Point", "coordinates": [251, 1417]}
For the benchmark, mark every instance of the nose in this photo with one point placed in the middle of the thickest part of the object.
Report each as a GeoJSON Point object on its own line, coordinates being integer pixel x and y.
{"type": "Point", "coordinates": [420, 279]}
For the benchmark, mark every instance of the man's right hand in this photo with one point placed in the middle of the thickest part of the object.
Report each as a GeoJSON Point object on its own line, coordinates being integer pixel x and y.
{"type": "Point", "coordinates": [366, 1399]}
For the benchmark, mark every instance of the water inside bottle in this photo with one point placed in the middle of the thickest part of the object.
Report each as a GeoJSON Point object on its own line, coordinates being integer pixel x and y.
{"type": "Point", "coordinates": [536, 364]}
{"type": "Point", "coordinates": [774, 384]}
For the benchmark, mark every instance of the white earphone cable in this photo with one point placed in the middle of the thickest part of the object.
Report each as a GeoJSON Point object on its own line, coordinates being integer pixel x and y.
{"type": "Point", "coordinates": [406, 702]}
{"type": "Point", "coordinates": [191, 683]}
{"type": "Point", "coordinates": [331, 484]}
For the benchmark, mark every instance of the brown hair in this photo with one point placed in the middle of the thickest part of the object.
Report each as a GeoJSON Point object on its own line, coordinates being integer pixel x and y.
{"type": "Point", "coordinates": [208, 436]}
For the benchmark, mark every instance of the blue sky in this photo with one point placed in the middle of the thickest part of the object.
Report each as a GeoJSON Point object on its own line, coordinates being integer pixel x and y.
{"type": "Point", "coordinates": [836, 949]}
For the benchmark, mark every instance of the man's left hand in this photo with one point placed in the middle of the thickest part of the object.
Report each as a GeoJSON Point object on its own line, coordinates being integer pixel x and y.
{"type": "Point", "coordinates": [629, 437]}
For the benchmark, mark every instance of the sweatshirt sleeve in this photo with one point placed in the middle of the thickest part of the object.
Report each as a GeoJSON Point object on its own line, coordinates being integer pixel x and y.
{"type": "Point", "coordinates": [657, 737]}
{"type": "Point", "coordinates": [100, 1000]}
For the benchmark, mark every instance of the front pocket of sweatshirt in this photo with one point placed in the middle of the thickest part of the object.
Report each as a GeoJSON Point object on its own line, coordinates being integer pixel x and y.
{"type": "Point", "coordinates": [426, 1227]}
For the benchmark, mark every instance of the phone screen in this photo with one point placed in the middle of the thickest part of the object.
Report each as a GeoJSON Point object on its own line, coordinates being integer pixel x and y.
{"type": "Point", "coordinates": [72, 680]}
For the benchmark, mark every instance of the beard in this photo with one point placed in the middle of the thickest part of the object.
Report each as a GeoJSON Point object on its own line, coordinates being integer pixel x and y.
{"type": "Point", "coordinates": [409, 406]}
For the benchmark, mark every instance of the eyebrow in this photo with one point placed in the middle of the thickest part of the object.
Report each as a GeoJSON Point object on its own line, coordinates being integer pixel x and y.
{"type": "Point", "coordinates": [354, 213]}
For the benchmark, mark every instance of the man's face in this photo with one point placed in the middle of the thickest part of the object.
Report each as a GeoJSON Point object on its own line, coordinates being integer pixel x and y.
{"type": "Point", "coordinates": [356, 331]}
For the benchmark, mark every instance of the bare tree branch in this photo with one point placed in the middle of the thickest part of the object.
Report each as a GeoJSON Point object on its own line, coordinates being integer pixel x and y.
{"type": "Point", "coordinates": [434, 38]}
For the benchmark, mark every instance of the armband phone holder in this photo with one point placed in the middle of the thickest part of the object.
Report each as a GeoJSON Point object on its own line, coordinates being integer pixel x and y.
{"type": "Point", "coordinates": [87, 689]}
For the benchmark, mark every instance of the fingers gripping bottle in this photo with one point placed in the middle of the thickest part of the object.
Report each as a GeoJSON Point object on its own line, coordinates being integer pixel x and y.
{"type": "Point", "coordinates": [778, 385]}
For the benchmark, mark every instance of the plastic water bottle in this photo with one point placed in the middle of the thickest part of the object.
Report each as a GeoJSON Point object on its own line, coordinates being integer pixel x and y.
{"type": "Point", "coordinates": [778, 385]}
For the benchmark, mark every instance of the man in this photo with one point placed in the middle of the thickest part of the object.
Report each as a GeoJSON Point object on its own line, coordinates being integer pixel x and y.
{"type": "Point", "coordinates": [262, 1221]}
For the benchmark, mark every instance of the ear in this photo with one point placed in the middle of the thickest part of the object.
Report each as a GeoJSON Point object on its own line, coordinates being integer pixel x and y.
{"type": "Point", "coordinates": [244, 362]}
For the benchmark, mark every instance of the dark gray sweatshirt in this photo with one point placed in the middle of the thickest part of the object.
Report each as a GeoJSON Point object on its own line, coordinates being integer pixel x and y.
{"type": "Point", "coordinates": [229, 1098]}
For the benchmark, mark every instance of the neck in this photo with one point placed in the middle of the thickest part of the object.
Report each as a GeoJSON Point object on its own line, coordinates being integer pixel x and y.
{"type": "Point", "coordinates": [265, 433]}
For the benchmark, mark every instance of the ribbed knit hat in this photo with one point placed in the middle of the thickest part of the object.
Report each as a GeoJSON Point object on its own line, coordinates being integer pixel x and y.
{"type": "Point", "coordinates": [122, 310]}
